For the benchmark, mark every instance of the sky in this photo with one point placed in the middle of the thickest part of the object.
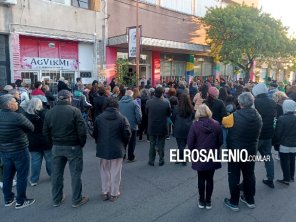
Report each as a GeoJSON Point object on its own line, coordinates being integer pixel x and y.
{"type": "Point", "coordinates": [283, 10]}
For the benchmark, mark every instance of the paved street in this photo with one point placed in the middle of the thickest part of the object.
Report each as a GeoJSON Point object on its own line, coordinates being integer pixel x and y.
{"type": "Point", "coordinates": [167, 193]}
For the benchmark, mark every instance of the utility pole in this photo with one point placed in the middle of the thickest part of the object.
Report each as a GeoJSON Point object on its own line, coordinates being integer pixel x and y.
{"type": "Point", "coordinates": [137, 46]}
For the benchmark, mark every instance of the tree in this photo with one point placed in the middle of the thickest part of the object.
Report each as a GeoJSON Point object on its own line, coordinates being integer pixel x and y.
{"type": "Point", "coordinates": [240, 34]}
{"type": "Point", "coordinates": [121, 70]}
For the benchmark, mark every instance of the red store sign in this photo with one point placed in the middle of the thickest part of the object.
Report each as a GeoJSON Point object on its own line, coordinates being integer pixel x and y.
{"type": "Point", "coordinates": [41, 53]}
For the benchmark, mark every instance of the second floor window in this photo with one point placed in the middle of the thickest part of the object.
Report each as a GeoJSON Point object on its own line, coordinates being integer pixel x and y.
{"type": "Point", "coordinates": [81, 3]}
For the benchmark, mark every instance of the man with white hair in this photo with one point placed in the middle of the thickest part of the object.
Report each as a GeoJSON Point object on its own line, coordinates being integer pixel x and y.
{"type": "Point", "coordinates": [14, 151]}
{"type": "Point", "coordinates": [244, 128]}
{"type": "Point", "coordinates": [129, 108]}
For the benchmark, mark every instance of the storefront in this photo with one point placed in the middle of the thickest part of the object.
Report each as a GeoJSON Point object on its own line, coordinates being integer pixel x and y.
{"type": "Point", "coordinates": [4, 61]}
{"type": "Point", "coordinates": [44, 59]}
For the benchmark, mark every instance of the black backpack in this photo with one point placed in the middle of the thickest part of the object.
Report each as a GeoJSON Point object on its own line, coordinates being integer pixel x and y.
{"type": "Point", "coordinates": [77, 101]}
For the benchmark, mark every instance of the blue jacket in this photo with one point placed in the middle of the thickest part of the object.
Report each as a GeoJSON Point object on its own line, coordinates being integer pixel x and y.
{"type": "Point", "coordinates": [131, 110]}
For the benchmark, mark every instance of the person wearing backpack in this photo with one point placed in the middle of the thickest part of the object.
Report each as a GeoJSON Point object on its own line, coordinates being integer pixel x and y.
{"type": "Point", "coordinates": [79, 100]}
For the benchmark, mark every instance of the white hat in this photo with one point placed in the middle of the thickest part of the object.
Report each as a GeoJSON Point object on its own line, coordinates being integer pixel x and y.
{"type": "Point", "coordinates": [259, 89]}
{"type": "Point", "coordinates": [289, 106]}
{"type": "Point", "coordinates": [8, 88]}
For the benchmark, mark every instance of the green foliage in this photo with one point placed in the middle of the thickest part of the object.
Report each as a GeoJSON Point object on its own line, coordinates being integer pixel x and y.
{"type": "Point", "coordinates": [240, 34]}
{"type": "Point", "coordinates": [122, 74]}
{"type": "Point", "coordinates": [121, 70]}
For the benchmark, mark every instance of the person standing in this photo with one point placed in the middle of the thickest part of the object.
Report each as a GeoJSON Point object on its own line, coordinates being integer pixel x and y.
{"type": "Point", "coordinates": [64, 126]}
{"type": "Point", "coordinates": [39, 145]}
{"type": "Point", "coordinates": [267, 109]}
{"type": "Point", "coordinates": [14, 151]}
{"type": "Point", "coordinates": [205, 133]}
{"type": "Point", "coordinates": [182, 117]}
{"type": "Point", "coordinates": [111, 133]}
{"type": "Point", "coordinates": [284, 138]}
{"type": "Point", "coordinates": [244, 128]}
{"type": "Point", "coordinates": [216, 105]}
{"type": "Point", "coordinates": [158, 112]}
{"type": "Point", "coordinates": [132, 111]}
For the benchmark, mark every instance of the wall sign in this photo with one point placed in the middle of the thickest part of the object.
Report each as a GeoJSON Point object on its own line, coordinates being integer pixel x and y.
{"type": "Point", "coordinates": [49, 63]}
{"type": "Point", "coordinates": [85, 74]}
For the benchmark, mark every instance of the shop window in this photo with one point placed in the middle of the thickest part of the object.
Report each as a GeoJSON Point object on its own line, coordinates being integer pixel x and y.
{"type": "Point", "coordinates": [29, 77]}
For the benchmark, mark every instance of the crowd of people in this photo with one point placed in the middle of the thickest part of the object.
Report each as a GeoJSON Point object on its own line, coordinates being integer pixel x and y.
{"type": "Point", "coordinates": [36, 125]}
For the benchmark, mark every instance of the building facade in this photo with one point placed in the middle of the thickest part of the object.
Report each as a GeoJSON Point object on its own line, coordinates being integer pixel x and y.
{"type": "Point", "coordinates": [46, 40]}
{"type": "Point", "coordinates": [172, 37]}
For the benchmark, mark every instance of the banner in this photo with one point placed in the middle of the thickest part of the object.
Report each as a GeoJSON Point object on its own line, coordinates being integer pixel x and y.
{"type": "Point", "coordinates": [132, 41]}
{"type": "Point", "coordinates": [49, 63]}
{"type": "Point", "coordinates": [189, 68]}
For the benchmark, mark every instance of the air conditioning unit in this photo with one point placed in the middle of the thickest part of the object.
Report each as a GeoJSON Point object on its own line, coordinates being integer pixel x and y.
{"type": "Point", "coordinates": [8, 2]}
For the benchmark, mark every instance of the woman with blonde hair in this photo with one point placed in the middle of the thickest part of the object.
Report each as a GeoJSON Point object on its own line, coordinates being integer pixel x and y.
{"type": "Point", "coordinates": [205, 134]}
{"type": "Point", "coordinates": [39, 145]}
{"type": "Point", "coordinates": [279, 98]}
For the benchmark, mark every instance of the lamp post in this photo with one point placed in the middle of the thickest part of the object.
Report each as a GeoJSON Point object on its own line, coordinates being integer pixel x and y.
{"type": "Point", "coordinates": [137, 46]}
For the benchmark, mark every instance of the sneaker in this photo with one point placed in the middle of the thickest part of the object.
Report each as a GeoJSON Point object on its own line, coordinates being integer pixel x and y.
{"type": "Point", "coordinates": [84, 200]}
{"type": "Point", "coordinates": [268, 183]}
{"type": "Point", "coordinates": [208, 206]}
{"type": "Point", "coordinates": [131, 161]}
{"type": "Point", "coordinates": [201, 205]}
{"type": "Point", "coordinates": [249, 205]}
{"type": "Point", "coordinates": [114, 198]}
{"type": "Point", "coordinates": [33, 184]}
{"type": "Point", "coordinates": [150, 164]}
{"type": "Point", "coordinates": [284, 182]}
{"type": "Point", "coordinates": [230, 205]}
{"type": "Point", "coordinates": [26, 203]}
{"type": "Point", "coordinates": [161, 163]}
{"type": "Point", "coordinates": [10, 203]}
{"type": "Point", "coordinates": [61, 202]}
{"type": "Point", "coordinates": [104, 196]}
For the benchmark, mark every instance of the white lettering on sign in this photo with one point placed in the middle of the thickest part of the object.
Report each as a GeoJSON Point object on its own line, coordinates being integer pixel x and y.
{"type": "Point", "coordinates": [49, 63]}
{"type": "Point", "coordinates": [132, 43]}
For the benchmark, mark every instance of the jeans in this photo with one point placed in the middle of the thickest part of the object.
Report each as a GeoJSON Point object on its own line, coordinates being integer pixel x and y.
{"type": "Point", "coordinates": [264, 148]}
{"type": "Point", "coordinates": [132, 146]}
{"type": "Point", "coordinates": [288, 165]}
{"type": "Point", "coordinates": [205, 183]}
{"type": "Point", "coordinates": [181, 142]}
{"type": "Point", "coordinates": [249, 181]}
{"type": "Point", "coordinates": [36, 162]}
{"type": "Point", "coordinates": [157, 144]}
{"type": "Point", "coordinates": [15, 162]}
{"type": "Point", "coordinates": [60, 156]}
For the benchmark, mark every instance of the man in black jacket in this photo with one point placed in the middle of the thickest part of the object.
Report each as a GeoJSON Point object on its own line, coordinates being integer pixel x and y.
{"type": "Point", "coordinates": [158, 110]}
{"type": "Point", "coordinates": [14, 151]}
{"type": "Point", "coordinates": [267, 109]}
{"type": "Point", "coordinates": [244, 128]}
{"type": "Point", "coordinates": [65, 127]}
